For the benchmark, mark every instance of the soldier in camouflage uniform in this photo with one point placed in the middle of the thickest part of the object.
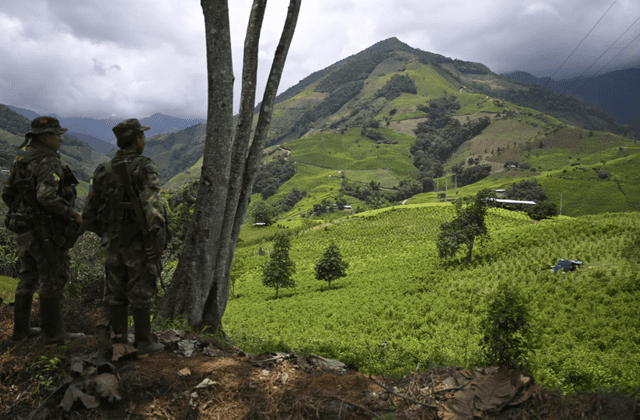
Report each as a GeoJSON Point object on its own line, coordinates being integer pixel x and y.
{"type": "Point", "coordinates": [40, 193]}
{"type": "Point", "coordinates": [133, 255]}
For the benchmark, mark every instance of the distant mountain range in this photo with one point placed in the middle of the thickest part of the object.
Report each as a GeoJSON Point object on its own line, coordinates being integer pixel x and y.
{"type": "Point", "coordinates": [82, 158]}
{"type": "Point", "coordinates": [97, 132]}
{"type": "Point", "coordinates": [368, 87]}
{"type": "Point", "coordinates": [618, 92]}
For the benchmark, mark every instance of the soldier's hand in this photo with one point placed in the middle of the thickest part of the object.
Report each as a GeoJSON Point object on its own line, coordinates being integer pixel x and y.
{"type": "Point", "coordinates": [78, 218]}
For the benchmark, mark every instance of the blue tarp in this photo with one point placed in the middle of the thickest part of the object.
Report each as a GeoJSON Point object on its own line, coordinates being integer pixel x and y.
{"type": "Point", "coordinates": [566, 265]}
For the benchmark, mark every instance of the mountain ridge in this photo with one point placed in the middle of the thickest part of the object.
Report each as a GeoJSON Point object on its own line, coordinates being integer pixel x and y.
{"type": "Point", "coordinates": [617, 91]}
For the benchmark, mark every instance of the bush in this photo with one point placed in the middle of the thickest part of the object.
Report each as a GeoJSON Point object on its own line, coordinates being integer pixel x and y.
{"type": "Point", "coordinates": [397, 85]}
{"type": "Point", "coordinates": [506, 330]}
{"type": "Point", "coordinates": [542, 210]}
{"type": "Point", "coordinates": [87, 271]}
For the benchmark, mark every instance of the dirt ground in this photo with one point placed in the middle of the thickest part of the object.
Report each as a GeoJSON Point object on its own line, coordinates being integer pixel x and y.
{"type": "Point", "coordinates": [196, 379]}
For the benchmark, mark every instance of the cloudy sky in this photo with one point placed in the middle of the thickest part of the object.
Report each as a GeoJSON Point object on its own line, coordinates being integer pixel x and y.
{"type": "Point", "coordinates": [133, 58]}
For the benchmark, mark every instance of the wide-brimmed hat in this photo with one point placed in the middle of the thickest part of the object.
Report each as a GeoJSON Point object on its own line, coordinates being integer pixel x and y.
{"type": "Point", "coordinates": [46, 125]}
{"type": "Point", "coordinates": [124, 128]}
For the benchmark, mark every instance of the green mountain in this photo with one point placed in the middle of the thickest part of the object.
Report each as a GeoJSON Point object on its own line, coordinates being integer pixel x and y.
{"type": "Point", "coordinates": [394, 123]}
{"type": "Point", "coordinates": [387, 83]}
{"type": "Point", "coordinates": [351, 91]}
{"type": "Point", "coordinates": [80, 157]}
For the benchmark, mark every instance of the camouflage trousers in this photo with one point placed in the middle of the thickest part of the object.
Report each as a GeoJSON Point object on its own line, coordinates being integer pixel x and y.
{"type": "Point", "coordinates": [40, 272]}
{"type": "Point", "coordinates": [130, 279]}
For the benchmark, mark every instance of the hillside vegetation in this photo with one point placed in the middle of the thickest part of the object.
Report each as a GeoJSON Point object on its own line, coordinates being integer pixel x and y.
{"type": "Point", "coordinates": [397, 292]}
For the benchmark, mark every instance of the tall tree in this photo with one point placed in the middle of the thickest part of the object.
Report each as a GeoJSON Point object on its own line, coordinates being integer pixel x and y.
{"type": "Point", "coordinates": [200, 286]}
{"type": "Point", "coordinates": [467, 226]}
{"type": "Point", "coordinates": [278, 271]}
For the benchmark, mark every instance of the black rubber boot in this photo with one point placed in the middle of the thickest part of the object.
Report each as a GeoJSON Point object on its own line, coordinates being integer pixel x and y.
{"type": "Point", "coordinates": [142, 324]}
{"type": "Point", "coordinates": [119, 321]}
{"type": "Point", "coordinates": [51, 315]}
{"type": "Point", "coordinates": [22, 318]}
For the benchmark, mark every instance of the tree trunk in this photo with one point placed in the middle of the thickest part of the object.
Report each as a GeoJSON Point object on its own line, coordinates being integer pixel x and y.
{"type": "Point", "coordinates": [470, 251]}
{"type": "Point", "coordinates": [200, 286]}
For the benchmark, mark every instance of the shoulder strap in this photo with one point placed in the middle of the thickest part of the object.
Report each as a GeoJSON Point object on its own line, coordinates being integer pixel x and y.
{"type": "Point", "coordinates": [123, 172]}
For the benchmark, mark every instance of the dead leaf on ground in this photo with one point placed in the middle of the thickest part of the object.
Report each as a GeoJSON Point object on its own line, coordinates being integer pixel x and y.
{"type": "Point", "coordinates": [73, 394]}
{"type": "Point", "coordinates": [120, 350]}
{"type": "Point", "coordinates": [107, 386]}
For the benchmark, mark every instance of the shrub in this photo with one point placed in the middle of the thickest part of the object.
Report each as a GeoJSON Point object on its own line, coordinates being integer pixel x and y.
{"type": "Point", "coordinates": [506, 330]}
{"type": "Point", "coordinates": [87, 269]}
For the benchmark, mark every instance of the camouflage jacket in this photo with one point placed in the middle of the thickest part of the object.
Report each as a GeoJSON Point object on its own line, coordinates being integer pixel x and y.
{"type": "Point", "coordinates": [103, 213]}
{"type": "Point", "coordinates": [38, 185]}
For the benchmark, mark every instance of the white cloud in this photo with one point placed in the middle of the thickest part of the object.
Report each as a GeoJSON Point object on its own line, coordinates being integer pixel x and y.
{"type": "Point", "coordinates": [138, 57]}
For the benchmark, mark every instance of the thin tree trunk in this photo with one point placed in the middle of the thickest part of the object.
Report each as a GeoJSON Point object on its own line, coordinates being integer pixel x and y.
{"type": "Point", "coordinates": [470, 251]}
{"type": "Point", "coordinates": [200, 286]}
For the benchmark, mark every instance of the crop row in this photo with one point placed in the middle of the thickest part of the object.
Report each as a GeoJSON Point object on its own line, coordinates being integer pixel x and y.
{"type": "Point", "coordinates": [399, 292]}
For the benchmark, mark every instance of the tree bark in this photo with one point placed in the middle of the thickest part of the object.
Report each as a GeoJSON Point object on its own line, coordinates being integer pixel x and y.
{"type": "Point", "coordinates": [200, 286]}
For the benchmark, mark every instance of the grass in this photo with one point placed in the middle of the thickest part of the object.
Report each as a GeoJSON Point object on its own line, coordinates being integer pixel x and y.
{"type": "Point", "coordinates": [352, 151]}
{"type": "Point", "coordinates": [8, 288]}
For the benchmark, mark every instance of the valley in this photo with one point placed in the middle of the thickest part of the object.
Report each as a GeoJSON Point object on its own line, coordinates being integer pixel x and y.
{"type": "Point", "coordinates": [388, 133]}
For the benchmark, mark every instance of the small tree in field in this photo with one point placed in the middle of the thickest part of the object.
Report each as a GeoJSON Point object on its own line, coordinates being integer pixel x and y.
{"type": "Point", "coordinates": [331, 266]}
{"type": "Point", "coordinates": [467, 227]}
{"type": "Point", "coordinates": [507, 337]}
{"type": "Point", "coordinates": [278, 271]}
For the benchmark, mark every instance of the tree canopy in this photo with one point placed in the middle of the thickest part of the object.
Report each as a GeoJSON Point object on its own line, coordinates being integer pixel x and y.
{"type": "Point", "coordinates": [331, 266]}
{"type": "Point", "coordinates": [468, 225]}
{"type": "Point", "coordinates": [279, 270]}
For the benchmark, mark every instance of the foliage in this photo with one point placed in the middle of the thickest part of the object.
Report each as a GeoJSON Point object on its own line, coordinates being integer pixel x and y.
{"type": "Point", "coordinates": [473, 174]}
{"type": "Point", "coordinates": [506, 330]}
{"type": "Point", "coordinates": [564, 107]}
{"type": "Point", "coordinates": [542, 210]}
{"type": "Point", "coordinates": [396, 86]}
{"type": "Point", "coordinates": [440, 135]}
{"type": "Point", "coordinates": [527, 189]}
{"type": "Point", "coordinates": [8, 255]}
{"type": "Point", "coordinates": [272, 175]}
{"type": "Point", "coordinates": [352, 70]}
{"type": "Point", "coordinates": [290, 200]}
{"type": "Point", "coordinates": [87, 268]}
{"type": "Point", "coordinates": [331, 266]}
{"type": "Point", "coordinates": [330, 105]}
{"type": "Point", "coordinates": [262, 212]}
{"type": "Point", "coordinates": [468, 226]}
{"type": "Point", "coordinates": [278, 271]}
{"type": "Point", "coordinates": [586, 323]}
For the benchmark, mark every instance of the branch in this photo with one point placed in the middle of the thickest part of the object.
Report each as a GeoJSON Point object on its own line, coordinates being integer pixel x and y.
{"type": "Point", "coordinates": [400, 395]}
{"type": "Point", "coordinates": [428, 395]}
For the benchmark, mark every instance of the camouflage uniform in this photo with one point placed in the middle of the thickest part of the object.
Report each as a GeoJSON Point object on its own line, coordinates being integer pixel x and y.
{"type": "Point", "coordinates": [40, 193]}
{"type": "Point", "coordinates": [131, 278]}
{"type": "Point", "coordinates": [39, 189]}
{"type": "Point", "coordinates": [131, 265]}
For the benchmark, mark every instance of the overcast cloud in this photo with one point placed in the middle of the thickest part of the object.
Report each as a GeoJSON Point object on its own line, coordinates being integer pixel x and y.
{"type": "Point", "coordinates": [133, 58]}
